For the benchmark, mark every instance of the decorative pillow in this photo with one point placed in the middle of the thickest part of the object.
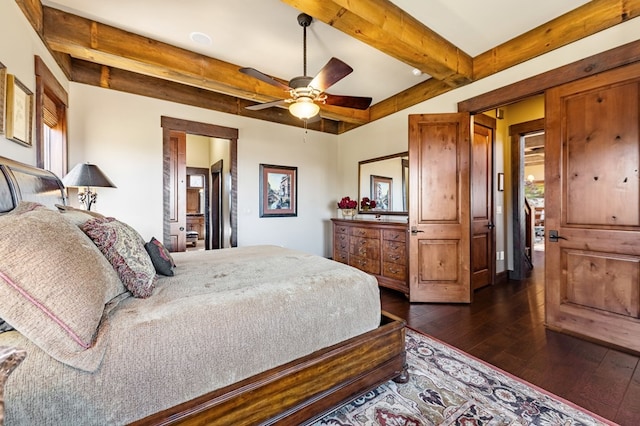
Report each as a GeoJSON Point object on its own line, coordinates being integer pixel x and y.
{"type": "Point", "coordinates": [160, 256]}
{"type": "Point", "coordinates": [54, 285]}
{"type": "Point", "coordinates": [77, 216]}
{"type": "Point", "coordinates": [27, 206]}
{"type": "Point", "coordinates": [10, 358]}
{"type": "Point", "coordinates": [124, 249]}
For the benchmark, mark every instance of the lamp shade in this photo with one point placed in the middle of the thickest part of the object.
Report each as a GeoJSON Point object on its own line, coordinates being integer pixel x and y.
{"type": "Point", "coordinates": [304, 108]}
{"type": "Point", "coordinates": [86, 174]}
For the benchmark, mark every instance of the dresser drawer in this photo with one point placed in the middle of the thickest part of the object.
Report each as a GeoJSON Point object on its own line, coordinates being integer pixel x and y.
{"type": "Point", "coordinates": [365, 247]}
{"type": "Point", "coordinates": [341, 229]}
{"type": "Point", "coordinates": [395, 271]}
{"type": "Point", "coordinates": [395, 252]}
{"type": "Point", "coordinates": [341, 240]}
{"type": "Point", "coordinates": [341, 256]}
{"type": "Point", "coordinates": [394, 235]}
{"type": "Point", "coordinates": [365, 232]}
{"type": "Point", "coordinates": [371, 266]}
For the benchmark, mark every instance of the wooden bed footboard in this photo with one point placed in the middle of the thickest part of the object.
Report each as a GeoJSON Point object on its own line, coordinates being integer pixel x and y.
{"type": "Point", "coordinates": [301, 390]}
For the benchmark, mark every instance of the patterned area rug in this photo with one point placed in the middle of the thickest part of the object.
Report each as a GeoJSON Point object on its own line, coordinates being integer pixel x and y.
{"type": "Point", "coordinates": [448, 387]}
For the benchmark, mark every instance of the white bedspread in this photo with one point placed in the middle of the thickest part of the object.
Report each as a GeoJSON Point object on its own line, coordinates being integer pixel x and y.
{"type": "Point", "coordinates": [225, 316]}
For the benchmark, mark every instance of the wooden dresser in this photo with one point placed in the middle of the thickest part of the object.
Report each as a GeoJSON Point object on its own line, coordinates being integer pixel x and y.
{"type": "Point", "coordinates": [377, 247]}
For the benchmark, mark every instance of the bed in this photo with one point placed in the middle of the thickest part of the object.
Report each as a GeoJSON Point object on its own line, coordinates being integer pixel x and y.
{"type": "Point", "coordinates": [249, 335]}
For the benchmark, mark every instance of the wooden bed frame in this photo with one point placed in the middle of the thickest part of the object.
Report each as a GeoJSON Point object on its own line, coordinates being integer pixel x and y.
{"type": "Point", "coordinates": [294, 393]}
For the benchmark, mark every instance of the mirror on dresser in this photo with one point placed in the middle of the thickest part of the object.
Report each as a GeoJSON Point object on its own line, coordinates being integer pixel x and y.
{"type": "Point", "coordinates": [385, 180]}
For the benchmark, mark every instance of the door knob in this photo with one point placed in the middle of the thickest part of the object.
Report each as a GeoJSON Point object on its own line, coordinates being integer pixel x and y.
{"type": "Point", "coordinates": [182, 228]}
{"type": "Point", "coordinates": [415, 230]}
{"type": "Point", "coordinates": [490, 225]}
{"type": "Point", "coordinates": [554, 237]}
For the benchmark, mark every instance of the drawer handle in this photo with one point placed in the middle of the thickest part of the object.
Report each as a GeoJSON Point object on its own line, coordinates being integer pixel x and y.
{"type": "Point", "coordinates": [363, 252]}
{"type": "Point", "coordinates": [394, 257]}
{"type": "Point", "coordinates": [393, 271]}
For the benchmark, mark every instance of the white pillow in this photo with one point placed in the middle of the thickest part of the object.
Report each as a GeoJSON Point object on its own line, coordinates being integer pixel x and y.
{"type": "Point", "coordinates": [54, 285]}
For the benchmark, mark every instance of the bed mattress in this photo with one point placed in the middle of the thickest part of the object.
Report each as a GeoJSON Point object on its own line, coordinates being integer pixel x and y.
{"type": "Point", "coordinates": [225, 316]}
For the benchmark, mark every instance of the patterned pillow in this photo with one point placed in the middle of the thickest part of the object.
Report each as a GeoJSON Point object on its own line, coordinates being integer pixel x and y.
{"type": "Point", "coordinates": [54, 285]}
{"type": "Point", "coordinates": [10, 358]}
{"type": "Point", "coordinates": [160, 256]}
{"type": "Point", "coordinates": [124, 249]}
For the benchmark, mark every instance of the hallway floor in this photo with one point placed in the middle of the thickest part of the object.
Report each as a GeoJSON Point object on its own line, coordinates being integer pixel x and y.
{"type": "Point", "coordinates": [505, 327]}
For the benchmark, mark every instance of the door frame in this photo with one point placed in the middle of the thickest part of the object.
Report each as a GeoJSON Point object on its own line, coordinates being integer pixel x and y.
{"type": "Point", "coordinates": [516, 133]}
{"type": "Point", "coordinates": [536, 85]}
{"type": "Point", "coordinates": [169, 124]}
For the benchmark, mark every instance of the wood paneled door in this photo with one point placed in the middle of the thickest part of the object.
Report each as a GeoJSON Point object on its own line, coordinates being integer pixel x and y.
{"type": "Point", "coordinates": [178, 190]}
{"type": "Point", "coordinates": [483, 257]}
{"type": "Point", "coordinates": [592, 201]}
{"type": "Point", "coordinates": [439, 205]}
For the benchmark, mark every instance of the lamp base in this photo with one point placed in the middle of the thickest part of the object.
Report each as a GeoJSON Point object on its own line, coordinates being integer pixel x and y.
{"type": "Point", "coordinates": [87, 198]}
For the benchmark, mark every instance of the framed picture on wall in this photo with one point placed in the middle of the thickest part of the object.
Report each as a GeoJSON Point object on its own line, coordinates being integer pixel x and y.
{"type": "Point", "coordinates": [278, 191]}
{"type": "Point", "coordinates": [18, 126]}
{"type": "Point", "coordinates": [381, 188]}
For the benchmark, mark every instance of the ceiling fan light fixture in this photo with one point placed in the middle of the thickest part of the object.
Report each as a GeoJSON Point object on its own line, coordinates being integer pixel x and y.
{"type": "Point", "coordinates": [304, 108]}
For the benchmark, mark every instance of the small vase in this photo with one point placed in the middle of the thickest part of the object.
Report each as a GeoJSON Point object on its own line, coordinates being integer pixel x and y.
{"type": "Point", "coordinates": [348, 213]}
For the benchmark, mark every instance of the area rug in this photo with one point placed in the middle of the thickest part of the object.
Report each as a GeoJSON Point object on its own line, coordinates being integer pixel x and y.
{"type": "Point", "coordinates": [449, 387]}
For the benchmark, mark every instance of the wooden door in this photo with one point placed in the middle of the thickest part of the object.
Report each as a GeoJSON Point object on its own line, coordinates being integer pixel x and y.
{"type": "Point", "coordinates": [482, 227]}
{"type": "Point", "coordinates": [439, 205]}
{"type": "Point", "coordinates": [177, 190]}
{"type": "Point", "coordinates": [592, 202]}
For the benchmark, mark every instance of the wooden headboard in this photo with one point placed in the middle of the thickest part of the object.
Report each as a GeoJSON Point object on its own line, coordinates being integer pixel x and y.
{"type": "Point", "coordinates": [21, 182]}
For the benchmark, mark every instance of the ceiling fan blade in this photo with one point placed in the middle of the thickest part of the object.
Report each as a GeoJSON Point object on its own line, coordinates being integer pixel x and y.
{"type": "Point", "coordinates": [257, 107]}
{"type": "Point", "coordinates": [263, 77]}
{"type": "Point", "coordinates": [357, 102]}
{"type": "Point", "coordinates": [334, 71]}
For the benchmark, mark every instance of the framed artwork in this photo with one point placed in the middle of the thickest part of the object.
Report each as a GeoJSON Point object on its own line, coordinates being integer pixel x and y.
{"type": "Point", "coordinates": [381, 188]}
{"type": "Point", "coordinates": [278, 191]}
{"type": "Point", "coordinates": [18, 126]}
{"type": "Point", "coordinates": [3, 79]}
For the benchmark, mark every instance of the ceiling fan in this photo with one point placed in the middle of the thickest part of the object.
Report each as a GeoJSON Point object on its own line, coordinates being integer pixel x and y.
{"type": "Point", "coordinates": [307, 92]}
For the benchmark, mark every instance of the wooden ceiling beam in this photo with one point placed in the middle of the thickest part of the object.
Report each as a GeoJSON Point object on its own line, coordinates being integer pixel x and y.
{"type": "Point", "coordinates": [586, 20]}
{"type": "Point", "coordinates": [92, 41]}
{"type": "Point", "coordinates": [93, 74]}
{"type": "Point", "coordinates": [384, 26]}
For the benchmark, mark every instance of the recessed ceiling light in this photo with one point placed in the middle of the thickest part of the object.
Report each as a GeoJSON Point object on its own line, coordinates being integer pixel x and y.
{"type": "Point", "coordinates": [200, 38]}
{"type": "Point", "coordinates": [416, 72]}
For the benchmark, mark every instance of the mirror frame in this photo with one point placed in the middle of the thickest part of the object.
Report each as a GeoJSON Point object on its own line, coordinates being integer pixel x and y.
{"type": "Point", "coordinates": [405, 184]}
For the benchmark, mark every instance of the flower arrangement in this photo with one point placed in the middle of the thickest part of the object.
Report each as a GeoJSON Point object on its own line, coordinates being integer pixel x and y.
{"type": "Point", "coordinates": [367, 204]}
{"type": "Point", "coordinates": [347, 203]}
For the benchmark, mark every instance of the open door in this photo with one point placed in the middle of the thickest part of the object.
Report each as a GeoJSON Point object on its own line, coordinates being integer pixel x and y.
{"type": "Point", "coordinates": [483, 250]}
{"type": "Point", "coordinates": [177, 190]}
{"type": "Point", "coordinates": [592, 207]}
{"type": "Point", "coordinates": [439, 208]}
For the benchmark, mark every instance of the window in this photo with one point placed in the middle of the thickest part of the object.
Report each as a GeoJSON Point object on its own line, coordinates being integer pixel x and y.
{"type": "Point", "coordinates": [51, 121]}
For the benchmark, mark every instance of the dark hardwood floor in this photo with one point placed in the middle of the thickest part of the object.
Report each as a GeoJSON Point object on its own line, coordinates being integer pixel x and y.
{"type": "Point", "coordinates": [505, 327]}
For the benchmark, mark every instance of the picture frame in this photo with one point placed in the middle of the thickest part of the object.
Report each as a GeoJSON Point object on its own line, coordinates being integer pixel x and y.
{"type": "Point", "coordinates": [381, 192]}
{"type": "Point", "coordinates": [278, 191]}
{"type": "Point", "coordinates": [19, 109]}
{"type": "Point", "coordinates": [3, 80]}
{"type": "Point", "coordinates": [500, 183]}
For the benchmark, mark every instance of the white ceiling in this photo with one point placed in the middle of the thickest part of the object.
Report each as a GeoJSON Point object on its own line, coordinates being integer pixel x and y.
{"type": "Point", "coordinates": [265, 35]}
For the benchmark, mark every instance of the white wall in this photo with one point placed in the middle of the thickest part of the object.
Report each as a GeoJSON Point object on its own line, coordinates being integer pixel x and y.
{"type": "Point", "coordinates": [18, 46]}
{"type": "Point", "coordinates": [121, 133]}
